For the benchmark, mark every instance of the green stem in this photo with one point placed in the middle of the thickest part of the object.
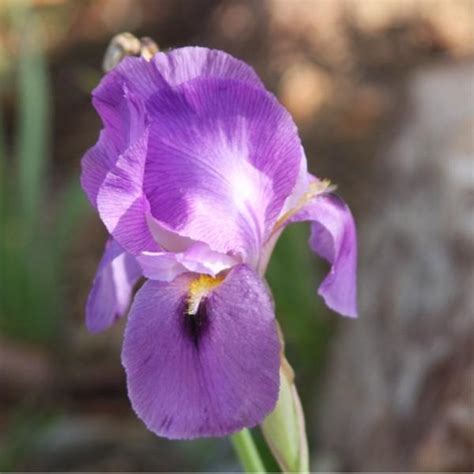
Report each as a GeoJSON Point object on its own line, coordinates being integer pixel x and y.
{"type": "Point", "coordinates": [247, 452]}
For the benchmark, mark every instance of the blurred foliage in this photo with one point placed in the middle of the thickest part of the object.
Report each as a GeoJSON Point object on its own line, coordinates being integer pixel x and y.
{"type": "Point", "coordinates": [23, 432]}
{"type": "Point", "coordinates": [293, 277]}
{"type": "Point", "coordinates": [33, 241]}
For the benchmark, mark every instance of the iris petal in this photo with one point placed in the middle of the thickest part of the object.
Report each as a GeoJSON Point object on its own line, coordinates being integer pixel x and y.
{"type": "Point", "coordinates": [197, 258]}
{"type": "Point", "coordinates": [96, 163]}
{"type": "Point", "coordinates": [122, 204]}
{"type": "Point", "coordinates": [122, 110]}
{"type": "Point", "coordinates": [222, 159]}
{"type": "Point", "coordinates": [210, 374]}
{"type": "Point", "coordinates": [122, 94]}
{"type": "Point", "coordinates": [111, 291]}
{"type": "Point", "coordinates": [184, 64]}
{"type": "Point", "coordinates": [333, 237]}
{"type": "Point", "coordinates": [113, 171]}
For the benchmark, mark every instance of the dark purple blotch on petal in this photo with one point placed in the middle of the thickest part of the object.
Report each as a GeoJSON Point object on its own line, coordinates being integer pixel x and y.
{"type": "Point", "coordinates": [197, 324]}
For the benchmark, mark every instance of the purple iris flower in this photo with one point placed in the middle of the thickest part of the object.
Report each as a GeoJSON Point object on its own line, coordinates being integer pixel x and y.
{"type": "Point", "coordinates": [196, 172]}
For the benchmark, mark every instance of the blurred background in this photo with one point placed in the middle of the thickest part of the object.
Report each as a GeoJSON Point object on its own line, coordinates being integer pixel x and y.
{"type": "Point", "coordinates": [383, 94]}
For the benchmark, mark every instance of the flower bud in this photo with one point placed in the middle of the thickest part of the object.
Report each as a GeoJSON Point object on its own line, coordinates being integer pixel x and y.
{"type": "Point", "coordinates": [284, 429]}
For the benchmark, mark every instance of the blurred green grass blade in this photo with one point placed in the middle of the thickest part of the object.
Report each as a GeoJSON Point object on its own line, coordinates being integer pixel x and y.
{"type": "Point", "coordinates": [73, 206]}
{"type": "Point", "coordinates": [29, 296]}
{"type": "Point", "coordinates": [3, 191]}
{"type": "Point", "coordinates": [32, 147]}
{"type": "Point", "coordinates": [3, 209]}
{"type": "Point", "coordinates": [3, 150]}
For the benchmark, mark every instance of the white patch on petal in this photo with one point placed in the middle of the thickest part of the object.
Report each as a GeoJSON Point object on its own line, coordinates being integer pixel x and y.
{"type": "Point", "coordinates": [120, 276]}
{"type": "Point", "coordinates": [300, 188]}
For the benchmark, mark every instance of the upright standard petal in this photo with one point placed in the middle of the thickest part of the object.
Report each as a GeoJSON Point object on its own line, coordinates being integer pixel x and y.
{"type": "Point", "coordinates": [222, 159]}
{"type": "Point", "coordinates": [121, 203]}
{"type": "Point", "coordinates": [121, 105]}
{"type": "Point", "coordinates": [96, 163]}
{"type": "Point", "coordinates": [112, 168]}
{"type": "Point", "coordinates": [144, 78]}
{"type": "Point", "coordinates": [120, 96]}
{"type": "Point", "coordinates": [206, 367]}
{"type": "Point", "coordinates": [111, 291]}
{"type": "Point", "coordinates": [333, 237]}
{"type": "Point", "coordinates": [185, 64]}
